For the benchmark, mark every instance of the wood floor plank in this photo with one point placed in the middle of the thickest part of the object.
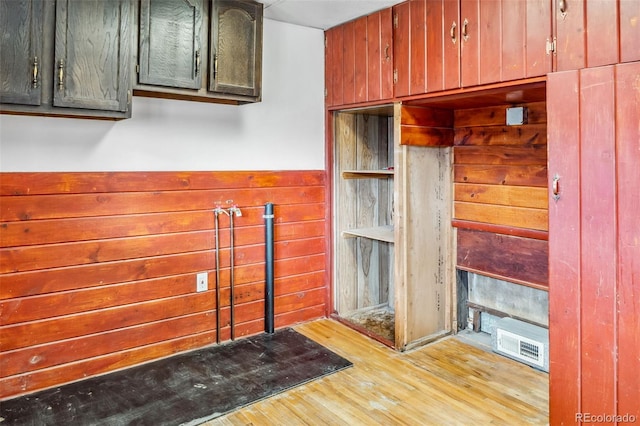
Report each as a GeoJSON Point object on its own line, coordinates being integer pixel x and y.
{"type": "Point", "coordinates": [448, 382]}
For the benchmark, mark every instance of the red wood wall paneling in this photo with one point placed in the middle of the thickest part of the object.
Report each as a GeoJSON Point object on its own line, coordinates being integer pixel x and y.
{"type": "Point", "coordinates": [500, 194]}
{"type": "Point", "coordinates": [98, 269]}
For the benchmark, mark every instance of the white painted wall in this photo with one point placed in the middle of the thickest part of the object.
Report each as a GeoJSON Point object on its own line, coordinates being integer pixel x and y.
{"type": "Point", "coordinates": [283, 132]}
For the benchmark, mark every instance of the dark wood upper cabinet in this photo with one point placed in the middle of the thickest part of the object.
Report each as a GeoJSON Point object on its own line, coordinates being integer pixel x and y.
{"type": "Point", "coordinates": [66, 58]}
{"type": "Point", "coordinates": [236, 48]}
{"type": "Point", "coordinates": [93, 54]}
{"type": "Point", "coordinates": [170, 43]}
{"type": "Point", "coordinates": [21, 64]}
{"type": "Point", "coordinates": [200, 50]}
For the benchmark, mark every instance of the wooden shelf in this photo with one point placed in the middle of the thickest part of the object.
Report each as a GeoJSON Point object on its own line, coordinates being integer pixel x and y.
{"type": "Point", "coordinates": [362, 174]}
{"type": "Point", "coordinates": [379, 233]}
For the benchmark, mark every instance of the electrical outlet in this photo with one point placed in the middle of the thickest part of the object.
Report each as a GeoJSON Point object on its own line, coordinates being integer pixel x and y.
{"type": "Point", "coordinates": [202, 281]}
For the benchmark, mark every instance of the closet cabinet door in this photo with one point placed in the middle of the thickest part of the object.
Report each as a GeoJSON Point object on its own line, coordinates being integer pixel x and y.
{"type": "Point", "coordinates": [93, 54]}
{"type": "Point", "coordinates": [170, 43]}
{"type": "Point", "coordinates": [236, 48]}
{"type": "Point", "coordinates": [504, 41]}
{"type": "Point", "coordinates": [21, 47]}
{"type": "Point", "coordinates": [592, 33]}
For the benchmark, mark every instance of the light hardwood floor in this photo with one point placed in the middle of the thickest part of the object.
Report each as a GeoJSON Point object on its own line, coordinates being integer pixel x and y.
{"type": "Point", "coordinates": [448, 382]}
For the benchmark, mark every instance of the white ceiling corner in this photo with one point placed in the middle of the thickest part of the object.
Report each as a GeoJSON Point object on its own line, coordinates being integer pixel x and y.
{"type": "Point", "coordinates": [321, 14]}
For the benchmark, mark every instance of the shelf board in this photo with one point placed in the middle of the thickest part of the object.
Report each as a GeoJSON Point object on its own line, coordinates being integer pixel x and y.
{"type": "Point", "coordinates": [379, 233]}
{"type": "Point", "coordinates": [361, 174]}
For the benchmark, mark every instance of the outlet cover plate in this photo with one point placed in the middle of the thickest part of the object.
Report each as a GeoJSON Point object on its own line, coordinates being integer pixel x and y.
{"type": "Point", "coordinates": [202, 281]}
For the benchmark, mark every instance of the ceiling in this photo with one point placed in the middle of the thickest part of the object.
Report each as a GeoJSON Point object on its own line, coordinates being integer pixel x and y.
{"type": "Point", "coordinates": [322, 14]}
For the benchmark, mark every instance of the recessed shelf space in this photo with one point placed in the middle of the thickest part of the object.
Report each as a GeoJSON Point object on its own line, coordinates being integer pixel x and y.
{"type": "Point", "coordinates": [378, 233]}
{"type": "Point", "coordinates": [365, 174]}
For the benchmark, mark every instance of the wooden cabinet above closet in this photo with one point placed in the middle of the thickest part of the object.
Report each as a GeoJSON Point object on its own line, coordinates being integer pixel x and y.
{"type": "Point", "coordinates": [444, 44]}
{"type": "Point", "coordinates": [200, 50]}
{"type": "Point", "coordinates": [359, 60]}
{"type": "Point", "coordinates": [66, 58]}
{"type": "Point", "coordinates": [613, 34]}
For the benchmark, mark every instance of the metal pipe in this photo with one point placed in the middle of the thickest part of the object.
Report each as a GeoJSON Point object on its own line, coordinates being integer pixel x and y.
{"type": "Point", "coordinates": [216, 212]}
{"type": "Point", "coordinates": [269, 263]}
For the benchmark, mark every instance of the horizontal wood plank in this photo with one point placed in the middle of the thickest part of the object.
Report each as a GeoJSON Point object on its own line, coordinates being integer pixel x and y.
{"type": "Point", "coordinates": [534, 155]}
{"type": "Point", "coordinates": [426, 116]}
{"type": "Point", "coordinates": [288, 217]}
{"type": "Point", "coordinates": [501, 135]}
{"type": "Point", "coordinates": [506, 195]}
{"type": "Point", "coordinates": [16, 208]}
{"type": "Point", "coordinates": [519, 217]}
{"type": "Point", "coordinates": [426, 136]}
{"type": "Point", "coordinates": [39, 183]}
{"type": "Point", "coordinates": [502, 174]}
{"type": "Point", "coordinates": [509, 257]}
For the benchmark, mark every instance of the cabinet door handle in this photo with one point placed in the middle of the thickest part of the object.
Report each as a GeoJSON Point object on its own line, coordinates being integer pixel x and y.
{"type": "Point", "coordinates": [452, 32]}
{"type": "Point", "coordinates": [386, 53]}
{"type": "Point", "coordinates": [34, 81]}
{"type": "Point", "coordinates": [197, 62]}
{"type": "Point", "coordinates": [61, 75]}
{"type": "Point", "coordinates": [465, 34]}
{"type": "Point", "coordinates": [562, 6]}
{"type": "Point", "coordinates": [555, 187]}
{"type": "Point", "coordinates": [215, 66]}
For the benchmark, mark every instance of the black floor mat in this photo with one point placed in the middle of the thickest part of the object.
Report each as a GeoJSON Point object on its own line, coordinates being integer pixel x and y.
{"type": "Point", "coordinates": [188, 389]}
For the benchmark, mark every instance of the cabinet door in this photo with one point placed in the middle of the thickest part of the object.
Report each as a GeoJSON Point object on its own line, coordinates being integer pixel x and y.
{"type": "Point", "coordinates": [170, 46]}
{"type": "Point", "coordinates": [592, 33]}
{"type": "Point", "coordinates": [21, 47]}
{"type": "Point", "coordinates": [629, 31]}
{"type": "Point", "coordinates": [236, 48]}
{"type": "Point", "coordinates": [443, 45]}
{"type": "Point", "coordinates": [380, 55]}
{"type": "Point", "coordinates": [334, 52]}
{"type": "Point", "coordinates": [594, 229]}
{"type": "Point", "coordinates": [401, 46]}
{"type": "Point", "coordinates": [93, 54]}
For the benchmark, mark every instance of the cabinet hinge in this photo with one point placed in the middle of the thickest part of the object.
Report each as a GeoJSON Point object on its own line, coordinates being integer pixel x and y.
{"type": "Point", "coordinates": [326, 93]}
{"type": "Point", "coordinates": [395, 76]}
{"type": "Point", "coordinates": [137, 68]}
{"type": "Point", "coordinates": [325, 42]}
{"type": "Point", "coordinates": [395, 20]}
{"type": "Point", "coordinates": [551, 46]}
